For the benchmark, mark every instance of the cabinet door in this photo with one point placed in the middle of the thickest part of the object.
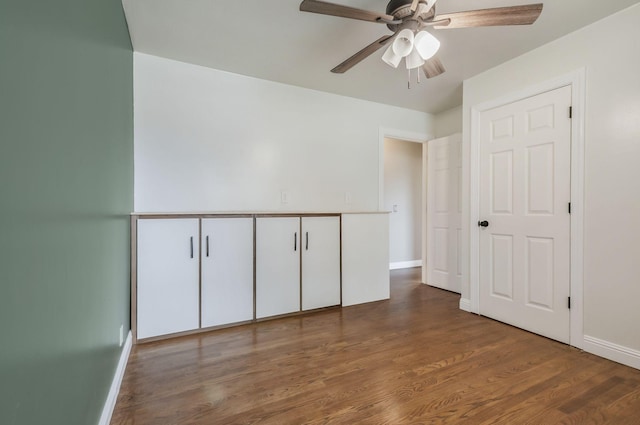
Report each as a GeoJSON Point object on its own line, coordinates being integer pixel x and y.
{"type": "Point", "coordinates": [168, 276]}
{"type": "Point", "coordinates": [277, 266]}
{"type": "Point", "coordinates": [227, 271]}
{"type": "Point", "coordinates": [320, 262]}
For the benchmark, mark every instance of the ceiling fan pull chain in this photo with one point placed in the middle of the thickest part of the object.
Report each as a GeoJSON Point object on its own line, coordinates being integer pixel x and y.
{"type": "Point", "coordinates": [409, 79]}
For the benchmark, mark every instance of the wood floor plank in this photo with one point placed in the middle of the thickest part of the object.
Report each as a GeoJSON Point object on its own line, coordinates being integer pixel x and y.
{"type": "Point", "coordinates": [414, 359]}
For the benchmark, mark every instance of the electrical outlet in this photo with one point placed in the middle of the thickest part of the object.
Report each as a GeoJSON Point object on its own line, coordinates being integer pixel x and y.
{"type": "Point", "coordinates": [348, 198]}
{"type": "Point", "coordinates": [121, 335]}
{"type": "Point", "coordinates": [284, 197]}
{"type": "Point", "coordinates": [395, 208]}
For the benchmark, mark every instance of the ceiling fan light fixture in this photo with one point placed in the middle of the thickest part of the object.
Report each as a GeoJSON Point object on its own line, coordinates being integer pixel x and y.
{"type": "Point", "coordinates": [390, 57]}
{"type": "Point", "coordinates": [403, 44]}
{"type": "Point", "coordinates": [426, 44]}
{"type": "Point", "coordinates": [414, 60]}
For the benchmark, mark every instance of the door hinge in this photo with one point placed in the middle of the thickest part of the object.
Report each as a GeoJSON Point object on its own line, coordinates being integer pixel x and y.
{"type": "Point", "coordinates": [569, 208]}
{"type": "Point", "coordinates": [570, 111]}
{"type": "Point", "coordinates": [569, 303]}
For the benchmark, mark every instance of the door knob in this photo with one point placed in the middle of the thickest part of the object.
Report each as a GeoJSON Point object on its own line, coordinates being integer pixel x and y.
{"type": "Point", "coordinates": [484, 223]}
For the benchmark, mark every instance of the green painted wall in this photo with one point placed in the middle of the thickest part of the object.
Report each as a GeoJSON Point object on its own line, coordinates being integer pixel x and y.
{"type": "Point", "coordinates": [66, 188]}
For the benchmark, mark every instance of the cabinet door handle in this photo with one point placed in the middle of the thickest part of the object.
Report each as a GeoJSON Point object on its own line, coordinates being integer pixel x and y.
{"type": "Point", "coordinates": [307, 242]}
{"type": "Point", "coordinates": [295, 241]}
{"type": "Point", "coordinates": [207, 246]}
{"type": "Point", "coordinates": [191, 246]}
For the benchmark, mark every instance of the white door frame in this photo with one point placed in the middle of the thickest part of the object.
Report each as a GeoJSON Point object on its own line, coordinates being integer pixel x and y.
{"type": "Point", "coordinates": [577, 81]}
{"type": "Point", "coordinates": [409, 136]}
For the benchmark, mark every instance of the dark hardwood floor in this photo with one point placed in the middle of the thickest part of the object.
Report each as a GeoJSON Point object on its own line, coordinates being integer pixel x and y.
{"type": "Point", "coordinates": [415, 359]}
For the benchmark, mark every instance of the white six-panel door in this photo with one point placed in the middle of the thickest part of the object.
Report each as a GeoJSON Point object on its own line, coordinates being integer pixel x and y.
{"type": "Point", "coordinates": [320, 262]}
{"type": "Point", "coordinates": [168, 289]}
{"type": "Point", "coordinates": [277, 266]}
{"type": "Point", "coordinates": [227, 270]}
{"type": "Point", "coordinates": [444, 213]}
{"type": "Point", "coordinates": [524, 197]}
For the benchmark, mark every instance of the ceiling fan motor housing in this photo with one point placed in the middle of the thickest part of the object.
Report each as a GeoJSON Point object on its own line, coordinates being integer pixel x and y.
{"type": "Point", "coordinates": [401, 10]}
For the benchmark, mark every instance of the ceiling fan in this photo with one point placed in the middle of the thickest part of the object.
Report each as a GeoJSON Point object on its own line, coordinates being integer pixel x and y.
{"type": "Point", "coordinates": [408, 19]}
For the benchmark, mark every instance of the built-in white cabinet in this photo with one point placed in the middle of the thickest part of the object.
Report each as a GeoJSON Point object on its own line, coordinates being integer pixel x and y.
{"type": "Point", "coordinates": [227, 270]}
{"type": "Point", "coordinates": [320, 262]}
{"type": "Point", "coordinates": [193, 273]}
{"type": "Point", "coordinates": [297, 264]}
{"type": "Point", "coordinates": [365, 258]}
{"type": "Point", "coordinates": [168, 289]}
{"type": "Point", "coordinates": [277, 266]}
{"type": "Point", "coordinates": [203, 271]}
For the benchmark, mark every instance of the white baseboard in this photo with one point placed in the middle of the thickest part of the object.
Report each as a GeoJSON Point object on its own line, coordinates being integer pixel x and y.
{"type": "Point", "coordinates": [405, 264]}
{"type": "Point", "coordinates": [465, 304]}
{"type": "Point", "coordinates": [618, 353]}
{"type": "Point", "coordinates": [110, 403]}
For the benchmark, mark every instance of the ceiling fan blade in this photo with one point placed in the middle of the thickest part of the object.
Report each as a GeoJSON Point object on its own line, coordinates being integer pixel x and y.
{"type": "Point", "coordinates": [433, 67]}
{"type": "Point", "coordinates": [427, 8]}
{"type": "Point", "coordinates": [325, 8]}
{"type": "Point", "coordinates": [512, 15]}
{"type": "Point", "coordinates": [362, 54]}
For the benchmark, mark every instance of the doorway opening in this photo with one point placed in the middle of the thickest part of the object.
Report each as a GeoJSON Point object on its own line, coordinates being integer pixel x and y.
{"type": "Point", "coordinates": [444, 270]}
{"type": "Point", "coordinates": [403, 175]}
{"type": "Point", "coordinates": [419, 139]}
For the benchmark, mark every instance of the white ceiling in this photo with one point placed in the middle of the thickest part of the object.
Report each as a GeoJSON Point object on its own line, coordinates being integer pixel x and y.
{"type": "Point", "coordinates": [273, 40]}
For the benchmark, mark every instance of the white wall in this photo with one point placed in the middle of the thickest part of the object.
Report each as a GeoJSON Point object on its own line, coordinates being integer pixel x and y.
{"type": "Point", "coordinates": [403, 187]}
{"type": "Point", "coordinates": [448, 122]}
{"type": "Point", "coordinates": [610, 51]}
{"type": "Point", "coordinates": [207, 140]}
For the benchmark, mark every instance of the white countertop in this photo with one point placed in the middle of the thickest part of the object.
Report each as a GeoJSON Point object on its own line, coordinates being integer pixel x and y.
{"type": "Point", "coordinates": [193, 213]}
